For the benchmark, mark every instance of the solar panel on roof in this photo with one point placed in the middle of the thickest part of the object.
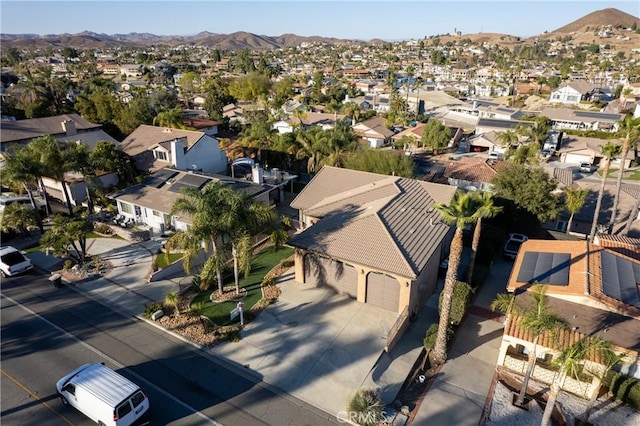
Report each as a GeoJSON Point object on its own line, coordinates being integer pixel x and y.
{"type": "Point", "coordinates": [194, 180]}
{"type": "Point", "coordinates": [620, 278]}
{"type": "Point", "coordinates": [545, 268]}
{"type": "Point", "coordinates": [159, 178]}
{"type": "Point", "coordinates": [600, 115]}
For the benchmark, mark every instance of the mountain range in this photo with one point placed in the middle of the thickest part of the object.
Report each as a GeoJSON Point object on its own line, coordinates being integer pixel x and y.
{"type": "Point", "coordinates": [245, 40]}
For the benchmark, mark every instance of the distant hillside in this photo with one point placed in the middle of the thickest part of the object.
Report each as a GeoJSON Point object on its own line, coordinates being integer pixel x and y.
{"type": "Point", "coordinates": [245, 40]}
{"type": "Point", "coordinates": [87, 39]}
{"type": "Point", "coordinates": [599, 18]}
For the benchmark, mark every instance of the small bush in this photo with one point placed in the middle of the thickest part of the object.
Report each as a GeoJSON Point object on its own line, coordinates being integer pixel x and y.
{"type": "Point", "coordinates": [231, 334]}
{"type": "Point", "coordinates": [68, 264]}
{"type": "Point", "coordinates": [287, 263]}
{"type": "Point", "coordinates": [432, 333]}
{"type": "Point", "coordinates": [462, 293]}
{"type": "Point", "coordinates": [266, 281]}
{"type": "Point", "coordinates": [626, 389]}
{"type": "Point", "coordinates": [103, 228]}
{"type": "Point", "coordinates": [367, 406]}
{"type": "Point", "coordinates": [150, 308]}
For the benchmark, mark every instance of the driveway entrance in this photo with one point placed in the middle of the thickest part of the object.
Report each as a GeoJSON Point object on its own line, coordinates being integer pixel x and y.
{"type": "Point", "coordinates": [317, 345]}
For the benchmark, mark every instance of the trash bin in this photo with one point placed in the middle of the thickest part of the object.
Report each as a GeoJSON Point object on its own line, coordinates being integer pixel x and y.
{"type": "Point", "coordinates": [56, 279]}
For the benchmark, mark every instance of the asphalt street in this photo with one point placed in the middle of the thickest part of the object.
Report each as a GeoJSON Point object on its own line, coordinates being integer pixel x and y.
{"type": "Point", "coordinates": [46, 332]}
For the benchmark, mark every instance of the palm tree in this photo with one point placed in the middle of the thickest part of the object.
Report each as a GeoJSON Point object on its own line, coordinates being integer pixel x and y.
{"type": "Point", "coordinates": [574, 199]}
{"type": "Point", "coordinates": [67, 237]}
{"type": "Point", "coordinates": [537, 320]}
{"type": "Point", "coordinates": [54, 160]}
{"type": "Point", "coordinates": [608, 359]}
{"type": "Point", "coordinates": [300, 115]}
{"type": "Point", "coordinates": [352, 110]}
{"type": "Point", "coordinates": [311, 143]}
{"type": "Point", "coordinates": [204, 208]}
{"type": "Point", "coordinates": [241, 216]}
{"type": "Point", "coordinates": [537, 133]}
{"type": "Point", "coordinates": [631, 128]}
{"type": "Point", "coordinates": [570, 362]}
{"type": "Point", "coordinates": [632, 217]}
{"type": "Point", "coordinates": [169, 118]}
{"type": "Point", "coordinates": [18, 217]}
{"type": "Point", "coordinates": [486, 209]}
{"type": "Point", "coordinates": [609, 151]}
{"type": "Point", "coordinates": [507, 138]}
{"type": "Point", "coordinates": [20, 167]}
{"type": "Point", "coordinates": [460, 212]}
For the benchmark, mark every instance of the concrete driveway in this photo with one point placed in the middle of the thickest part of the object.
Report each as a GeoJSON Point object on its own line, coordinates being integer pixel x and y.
{"type": "Point", "coordinates": [314, 344]}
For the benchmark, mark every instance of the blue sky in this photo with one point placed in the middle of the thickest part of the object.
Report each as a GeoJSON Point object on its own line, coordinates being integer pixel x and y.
{"type": "Point", "coordinates": [330, 18]}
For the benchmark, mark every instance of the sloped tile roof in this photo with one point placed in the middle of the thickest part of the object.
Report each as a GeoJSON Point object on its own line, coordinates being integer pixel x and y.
{"type": "Point", "coordinates": [473, 169]}
{"type": "Point", "coordinates": [396, 228]}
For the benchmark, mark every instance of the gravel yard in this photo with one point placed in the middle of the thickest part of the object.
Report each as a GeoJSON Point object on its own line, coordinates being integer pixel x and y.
{"type": "Point", "coordinates": [606, 411]}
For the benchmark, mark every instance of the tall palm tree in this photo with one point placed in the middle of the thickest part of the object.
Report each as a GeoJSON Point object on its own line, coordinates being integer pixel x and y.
{"type": "Point", "coordinates": [574, 199]}
{"type": "Point", "coordinates": [311, 143]}
{"type": "Point", "coordinates": [461, 211]}
{"type": "Point", "coordinates": [241, 216]}
{"type": "Point", "coordinates": [352, 110]}
{"type": "Point", "coordinates": [537, 320]}
{"type": "Point", "coordinates": [18, 217]}
{"type": "Point", "coordinates": [20, 167]}
{"type": "Point", "coordinates": [630, 127]}
{"type": "Point", "coordinates": [632, 217]}
{"type": "Point", "coordinates": [486, 209]}
{"type": "Point", "coordinates": [570, 362]}
{"type": "Point", "coordinates": [609, 151]}
{"type": "Point", "coordinates": [204, 209]}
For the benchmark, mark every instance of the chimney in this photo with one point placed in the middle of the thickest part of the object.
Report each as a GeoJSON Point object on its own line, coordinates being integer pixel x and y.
{"type": "Point", "coordinates": [257, 174]}
{"type": "Point", "coordinates": [177, 153]}
{"type": "Point", "coordinates": [69, 126]}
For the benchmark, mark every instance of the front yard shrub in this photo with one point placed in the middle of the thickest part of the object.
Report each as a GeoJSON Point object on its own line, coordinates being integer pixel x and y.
{"type": "Point", "coordinates": [432, 333]}
{"type": "Point", "coordinates": [367, 406]}
{"type": "Point", "coordinates": [150, 308]}
{"type": "Point", "coordinates": [287, 263]}
{"type": "Point", "coordinates": [626, 389]}
{"type": "Point", "coordinates": [268, 281]}
{"type": "Point", "coordinates": [462, 293]}
{"type": "Point", "coordinates": [230, 334]}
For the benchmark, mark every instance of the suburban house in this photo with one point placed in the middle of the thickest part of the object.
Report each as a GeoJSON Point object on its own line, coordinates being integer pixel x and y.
{"type": "Point", "coordinates": [499, 125]}
{"type": "Point", "coordinates": [375, 238]}
{"type": "Point", "coordinates": [309, 119]}
{"type": "Point", "coordinates": [472, 174]}
{"type": "Point", "coordinates": [572, 92]}
{"type": "Point", "coordinates": [593, 287]}
{"type": "Point", "coordinates": [482, 142]}
{"type": "Point", "coordinates": [149, 203]}
{"type": "Point", "coordinates": [154, 148]}
{"type": "Point", "coordinates": [566, 118]}
{"type": "Point", "coordinates": [67, 127]}
{"type": "Point", "coordinates": [205, 125]}
{"type": "Point", "coordinates": [374, 131]}
{"type": "Point", "coordinates": [578, 149]}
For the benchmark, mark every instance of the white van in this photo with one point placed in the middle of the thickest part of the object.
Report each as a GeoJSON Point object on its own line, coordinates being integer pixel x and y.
{"type": "Point", "coordinates": [103, 395]}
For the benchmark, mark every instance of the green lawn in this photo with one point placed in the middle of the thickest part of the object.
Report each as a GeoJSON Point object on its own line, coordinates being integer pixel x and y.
{"type": "Point", "coordinates": [161, 259]}
{"type": "Point", "coordinates": [262, 263]}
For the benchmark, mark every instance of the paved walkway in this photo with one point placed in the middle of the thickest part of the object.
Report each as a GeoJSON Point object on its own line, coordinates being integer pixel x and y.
{"type": "Point", "coordinates": [458, 394]}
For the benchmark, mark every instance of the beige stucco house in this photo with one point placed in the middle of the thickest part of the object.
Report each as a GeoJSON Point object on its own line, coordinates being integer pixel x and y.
{"type": "Point", "coordinates": [373, 237]}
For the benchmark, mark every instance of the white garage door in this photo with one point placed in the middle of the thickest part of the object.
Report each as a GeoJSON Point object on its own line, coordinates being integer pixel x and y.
{"type": "Point", "coordinates": [323, 272]}
{"type": "Point", "coordinates": [383, 291]}
{"type": "Point", "coordinates": [577, 158]}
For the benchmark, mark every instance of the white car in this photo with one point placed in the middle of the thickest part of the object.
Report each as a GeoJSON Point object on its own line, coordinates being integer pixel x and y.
{"type": "Point", "coordinates": [513, 244]}
{"type": "Point", "coordinates": [13, 261]}
{"type": "Point", "coordinates": [587, 168]}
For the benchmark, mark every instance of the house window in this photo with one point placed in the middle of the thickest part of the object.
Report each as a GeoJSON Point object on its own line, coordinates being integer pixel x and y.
{"type": "Point", "coordinates": [156, 213]}
{"type": "Point", "coordinates": [160, 155]}
{"type": "Point", "coordinates": [126, 207]}
{"type": "Point", "coordinates": [572, 99]}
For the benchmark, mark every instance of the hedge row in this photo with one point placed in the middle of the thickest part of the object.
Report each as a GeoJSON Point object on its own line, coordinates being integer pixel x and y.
{"type": "Point", "coordinates": [626, 389]}
{"type": "Point", "coordinates": [462, 294]}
